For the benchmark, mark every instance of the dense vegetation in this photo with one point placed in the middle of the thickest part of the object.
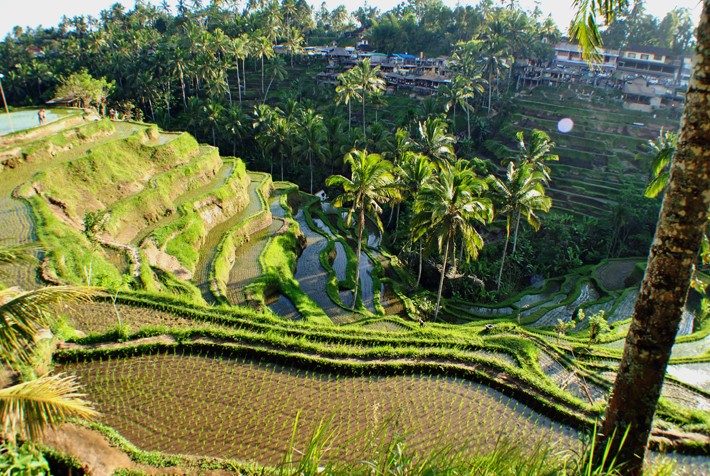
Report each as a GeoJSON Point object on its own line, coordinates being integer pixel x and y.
{"type": "Point", "coordinates": [418, 272]}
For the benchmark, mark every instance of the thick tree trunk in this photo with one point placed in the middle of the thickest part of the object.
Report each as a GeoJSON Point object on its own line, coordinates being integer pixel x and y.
{"type": "Point", "coordinates": [665, 286]}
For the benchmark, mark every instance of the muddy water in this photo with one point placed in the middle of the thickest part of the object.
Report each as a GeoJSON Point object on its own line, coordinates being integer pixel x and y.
{"type": "Point", "coordinates": [209, 247]}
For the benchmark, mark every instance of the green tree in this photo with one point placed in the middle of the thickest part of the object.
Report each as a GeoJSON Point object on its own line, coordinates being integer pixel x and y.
{"type": "Point", "coordinates": [663, 149]}
{"type": "Point", "coordinates": [347, 92]}
{"type": "Point", "coordinates": [446, 210]}
{"type": "Point", "coordinates": [435, 142]}
{"type": "Point", "coordinates": [367, 81]}
{"type": "Point", "coordinates": [370, 186]}
{"type": "Point", "coordinates": [521, 193]}
{"type": "Point", "coordinates": [90, 91]}
{"type": "Point", "coordinates": [310, 138]}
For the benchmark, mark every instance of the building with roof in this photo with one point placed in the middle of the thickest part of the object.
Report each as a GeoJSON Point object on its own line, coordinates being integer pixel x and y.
{"type": "Point", "coordinates": [649, 61]}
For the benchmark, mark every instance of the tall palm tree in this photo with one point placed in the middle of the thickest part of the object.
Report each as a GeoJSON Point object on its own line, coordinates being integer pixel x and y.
{"type": "Point", "coordinates": [535, 153]}
{"type": "Point", "coordinates": [310, 138]}
{"type": "Point", "coordinates": [367, 81]}
{"type": "Point", "coordinates": [370, 186]}
{"type": "Point", "coordinates": [446, 210]}
{"type": "Point", "coordinates": [294, 42]}
{"type": "Point", "coordinates": [347, 92]}
{"type": "Point", "coordinates": [521, 193]}
{"type": "Point", "coordinates": [27, 408]}
{"type": "Point", "coordinates": [263, 48]}
{"type": "Point", "coordinates": [678, 239]}
{"type": "Point", "coordinates": [459, 93]}
{"type": "Point", "coordinates": [276, 71]}
{"type": "Point", "coordinates": [415, 170]}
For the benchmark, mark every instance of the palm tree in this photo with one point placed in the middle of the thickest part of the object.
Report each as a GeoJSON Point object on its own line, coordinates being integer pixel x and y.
{"type": "Point", "coordinates": [415, 170]}
{"type": "Point", "coordinates": [263, 48]}
{"type": "Point", "coordinates": [534, 154]}
{"type": "Point", "coordinates": [664, 148]}
{"type": "Point", "coordinates": [276, 71]}
{"type": "Point", "coordinates": [293, 42]}
{"type": "Point", "coordinates": [461, 90]}
{"type": "Point", "coordinates": [370, 186]}
{"type": "Point", "coordinates": [310, 127]}
{"type": "Point", "coordinates": [29, 407]}
{"type": "Point", "coordinates": [522, 193]}
{"type": "Point", "coordinates": [435, 142]}
{"type": "Point", "coordinates": [346, 92]}
{"type": "Point", "coordinates": [446, 209]}
{"type": "Point", "coordinates": [367, 81]}
{"type": "Point", "coordinates": [678, 239]}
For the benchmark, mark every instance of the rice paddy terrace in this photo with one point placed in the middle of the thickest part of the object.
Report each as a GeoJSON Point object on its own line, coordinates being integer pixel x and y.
{"type": "Point", "coordinates": [237, 322]}
{"type": "Point", "coordinates": [604, 154]}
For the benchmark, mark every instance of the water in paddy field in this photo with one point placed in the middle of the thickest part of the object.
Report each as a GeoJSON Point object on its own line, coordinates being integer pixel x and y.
{"type": "Point", "coordinates": [22, 120]}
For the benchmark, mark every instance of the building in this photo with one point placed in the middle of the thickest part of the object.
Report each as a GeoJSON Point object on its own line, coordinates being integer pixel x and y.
{"type": "Point", "coordinates": [650, 62]}
{"type": "Point", "coordinates": [569, 55]}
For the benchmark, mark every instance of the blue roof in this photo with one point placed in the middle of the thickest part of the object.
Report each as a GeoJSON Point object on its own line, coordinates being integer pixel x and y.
{"type": "Point", "coordinates": [404, 56]}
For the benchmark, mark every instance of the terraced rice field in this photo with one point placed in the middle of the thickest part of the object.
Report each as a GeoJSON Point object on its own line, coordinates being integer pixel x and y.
{"type": "Point", "coordinates": [219, 179]}
{"type": "Point", "coordinates": [207, 405]}
{"type": "Point", "coordinates": [209, 247]}
{"type": "Point", "coordinates": [312, 277]}
{"type": "Point", "coordinates": [246, 265]}
{"type": "Point", "coordinates": [101, 317]}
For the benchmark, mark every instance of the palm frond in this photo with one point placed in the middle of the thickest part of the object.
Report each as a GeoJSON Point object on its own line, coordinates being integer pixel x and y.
{"type": "Point", "coordinates": [23, 313]}
{"type": "Point", "coordinates": [657, 185]}
{"type": "Point", "coordinates": [30, 407]}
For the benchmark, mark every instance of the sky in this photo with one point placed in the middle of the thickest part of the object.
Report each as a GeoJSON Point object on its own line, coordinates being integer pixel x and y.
{"type": "Point", "coordinates": [49, 12]}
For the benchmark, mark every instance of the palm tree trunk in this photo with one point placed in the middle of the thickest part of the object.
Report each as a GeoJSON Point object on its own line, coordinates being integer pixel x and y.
{"type": "Point", "coordinates": [182, 86]}
{"type": "Point", "coordinates": [665, 286]}
{"type": "Point", "coordinates": [364, 129]}
{"type": "Point", "coordinates": [515, 236]}
{"type": "Point", "coordinates": [490, 91]}
{"type": "Point", "coordinates": [468, 123]}
{"type": "Point", "coordinates": [502, 261]}
{"type": "Point", "coordinates": [262, 74]}
{"type": "Point", "coordinates": [441, 280]}
{"type": "Point", "coordinates": [421, 259]}
{"type": "Point", "coordinates": [350, 116]}
{"type": "Point", "coordinates": [244, 74]}
{"type": "Point", "coordinates": [310, 166]}
{"type": "Point", "coordinates": [360, 227]}
{"type": "Point", "coordinates": [239, 84]}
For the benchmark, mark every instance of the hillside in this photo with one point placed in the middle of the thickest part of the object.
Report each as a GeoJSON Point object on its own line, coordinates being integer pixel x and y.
{"type": "Point", "coordinates": [228, 317]}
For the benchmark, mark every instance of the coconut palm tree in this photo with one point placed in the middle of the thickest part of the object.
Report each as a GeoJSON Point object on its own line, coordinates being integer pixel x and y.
{"type": "Point", "coordinates": [678, 239]}
{"type": "Point", "coordinates": [459, 94]}
{"type": "Point", "coordinates": [310, 138]}
{"type": "Point", "coordinates": [521, 193]}
{"type": "Point", "coordinates": [415, 170]}
{"type": "Point", "coordinates": [347, 92]}
{"type": "Point", "coordinates": [435, 142]}
{"type": "Point", "coordinates": [534, 154]}
{"type": "Point", "coordinates": [446, 210]}
{"type": "Point", "coordinates": [367, 81]}
{"type": "Point", "coordinates": [536, 151]}
{"type": "Point", "coordinates": [371, 185]}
